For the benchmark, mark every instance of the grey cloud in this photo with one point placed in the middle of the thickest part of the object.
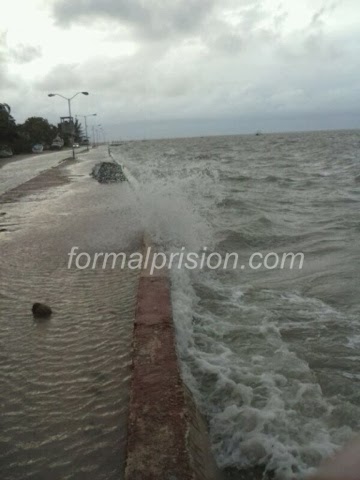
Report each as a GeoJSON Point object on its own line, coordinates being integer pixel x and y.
{"type": "Point", "coordinates": [20, 54]}
{"type": "Point", "coordinates": [152, 19]}
{"type": "Point", "coordinates": [24, 53]}
{"type": "Point", "coordinates": [242, 29]}
{"type": "Point", "coordinates": [138, 78]}
{"type": "Point", "coordinates": [207, 59]}
{"type": "Point", "coordinates": [319, 17]}
{"type": "Point", "coordinates": [144, 86]}
{"type": "Point", "coordinates": [5, 78]}
{"type": "Point", "coordinates": [62, 76]}
{"type": "Point", "coordinates": [228, 42]}
{"type": "Point", "coordinates": [224, 25]}
{"type": "Point", "coordinates": [2, 45]}
{"type": "Point", "coordinates": [313, 43]}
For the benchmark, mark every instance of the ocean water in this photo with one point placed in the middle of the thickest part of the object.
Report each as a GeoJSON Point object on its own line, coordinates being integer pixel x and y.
{"type": "Point", "coordinates": [272, 356]}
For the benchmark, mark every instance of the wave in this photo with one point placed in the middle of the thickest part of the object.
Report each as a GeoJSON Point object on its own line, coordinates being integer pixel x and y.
{"type": "Point", "coordinates": [263, 402]}
{"type": "Point", "coordinates": [272, 178]}
{"type": "Point", "coordinates": [277, 179]}
{"type": "Point", "coordinates": [238, 178]}
{"type": "Point", "coordinates": [251, 356]}
{"type": "Point", "coordinates": [173, 203]}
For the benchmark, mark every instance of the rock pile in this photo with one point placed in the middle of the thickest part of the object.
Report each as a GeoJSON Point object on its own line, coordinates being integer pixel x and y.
{"type": "Point", "coordinates": [108, 172]}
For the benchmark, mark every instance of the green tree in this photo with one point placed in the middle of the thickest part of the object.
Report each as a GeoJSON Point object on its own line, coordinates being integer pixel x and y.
{"type": "Point", "coordinates": [4, 107]}
{"type": "Point", "coordinates": [79, 132]}
{"type": "Point", "coordinates": [8, 132]}
{"type": "Point", "coordinates": [38, 130]}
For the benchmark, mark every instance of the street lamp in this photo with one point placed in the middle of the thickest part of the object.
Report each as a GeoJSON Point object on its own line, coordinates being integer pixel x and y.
{"type": "Point", "coordinates": [103, 134]}
{"type": "Point", "coordinates": [69, 106]}
{"type": "Point", "coordinates": [94, 135]}
{"type": "Point", "coordinates": [97, 133]}
{"type": "Point", "coordinates": [86, 130]}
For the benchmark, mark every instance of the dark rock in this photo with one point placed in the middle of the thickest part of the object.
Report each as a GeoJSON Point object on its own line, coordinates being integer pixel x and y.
{"type": "Point", "coordinates": [108, 172]}
{"type": "Point", "coordinates": [3, 229]}
{"type": "Point", "coordinates": [40, 310]}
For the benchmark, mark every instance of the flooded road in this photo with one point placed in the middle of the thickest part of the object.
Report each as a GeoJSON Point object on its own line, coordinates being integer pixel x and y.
{"type": "Point", "coordinates": [16, 172]}
{"type": "Point", "coordinates": [64, 382]}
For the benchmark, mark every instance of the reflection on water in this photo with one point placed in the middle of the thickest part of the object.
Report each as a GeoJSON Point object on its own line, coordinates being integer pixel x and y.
{"type": "Point", "coordinates": [15, 172]}
{"type": "Point", "coordinates": [63, 382]}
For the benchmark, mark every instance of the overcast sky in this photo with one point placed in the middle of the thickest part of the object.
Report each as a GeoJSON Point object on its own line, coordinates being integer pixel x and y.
{"type": "Point", "coordinates": [159, 68]}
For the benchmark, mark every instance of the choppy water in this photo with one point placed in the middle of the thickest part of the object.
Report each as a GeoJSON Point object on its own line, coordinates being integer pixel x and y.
{"type": "Point", "coordinates": [272, 356]}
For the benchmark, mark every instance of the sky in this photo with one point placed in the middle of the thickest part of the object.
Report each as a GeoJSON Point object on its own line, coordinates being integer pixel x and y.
{"type": "Point", "coordinates": [174, 68]}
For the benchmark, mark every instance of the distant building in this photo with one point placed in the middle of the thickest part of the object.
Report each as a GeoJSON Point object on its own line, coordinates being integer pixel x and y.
{"type": "Point", "coordinates": [67, 130]}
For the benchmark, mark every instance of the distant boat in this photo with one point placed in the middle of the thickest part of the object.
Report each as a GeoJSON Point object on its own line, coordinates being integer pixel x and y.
{"type": "Point", "coordinates": [38, 148]}
{"type": "Point", "coordinates": [57, 143]}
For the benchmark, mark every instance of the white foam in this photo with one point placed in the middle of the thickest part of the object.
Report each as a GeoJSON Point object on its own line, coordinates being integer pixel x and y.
{"type": "Point", "coordinates": [164, 199]}
{"type": "Point", "coordinates": [354, 342]}
{"type": "Point", "coordinates": [263, 402]}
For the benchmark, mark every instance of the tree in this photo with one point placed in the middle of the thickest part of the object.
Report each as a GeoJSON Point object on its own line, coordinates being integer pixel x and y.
{"type": "Point", "coordinates": [7, 125]}
{"type": "Point", "coordinates": [38, 130]}
{"type": "Point", "coordinates": [71, 132]}
{"type": "Point", "coordinates": [4, 107]}
{"type": "Point", "coordinates": [79, 132]}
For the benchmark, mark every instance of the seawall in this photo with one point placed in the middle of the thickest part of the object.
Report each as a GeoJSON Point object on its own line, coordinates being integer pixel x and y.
{"type": "Point", "coordinates": [167, 438]}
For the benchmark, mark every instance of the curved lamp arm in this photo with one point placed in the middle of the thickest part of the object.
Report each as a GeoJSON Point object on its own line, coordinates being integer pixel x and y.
{"type": "Point", "coordinates": [66, 98]}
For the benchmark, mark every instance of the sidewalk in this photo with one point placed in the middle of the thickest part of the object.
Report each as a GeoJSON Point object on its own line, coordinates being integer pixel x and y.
{"type": "Point", "coordinates": [24, 156]}
{"type": "Point", "coordinates": [25, 167]}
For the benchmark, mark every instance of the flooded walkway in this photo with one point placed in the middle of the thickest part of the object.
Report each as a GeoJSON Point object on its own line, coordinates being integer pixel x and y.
{"type": "Point", "coordinates": [64, 382]}
{"type": "Point", "coordinates": [16, 171]}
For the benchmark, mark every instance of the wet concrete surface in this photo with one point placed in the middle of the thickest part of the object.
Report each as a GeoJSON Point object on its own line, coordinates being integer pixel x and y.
{"type": "Point", "coordinates": [63, 381]}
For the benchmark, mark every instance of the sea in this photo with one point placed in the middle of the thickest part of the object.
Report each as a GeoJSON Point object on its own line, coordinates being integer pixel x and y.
{"type": "Point", "coordinates": [271, 355]}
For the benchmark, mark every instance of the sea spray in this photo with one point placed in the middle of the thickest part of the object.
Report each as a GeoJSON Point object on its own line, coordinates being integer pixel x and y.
{"type": "Point", "coordinates": [263, 403]}
{"type": "Point", "coordinates": [268, 356]}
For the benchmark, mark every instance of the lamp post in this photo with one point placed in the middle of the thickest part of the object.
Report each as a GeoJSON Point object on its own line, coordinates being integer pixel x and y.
{"type": "Point", "coordinates": [69, 106]}
{"type": "Point", "coordinates": [97, 133]}
{"type": "Point", "coordinates": [103, 134]}
{"type": "Point", "coordinates": [86, 129]}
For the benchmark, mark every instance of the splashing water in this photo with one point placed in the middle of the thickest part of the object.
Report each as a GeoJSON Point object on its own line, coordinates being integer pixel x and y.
{"type": "Point", "coordinates": [271, 358]}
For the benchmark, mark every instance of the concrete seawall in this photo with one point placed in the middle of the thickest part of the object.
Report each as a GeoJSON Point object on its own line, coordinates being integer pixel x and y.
{"type": "Point", "coordinates": [167, 438]}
